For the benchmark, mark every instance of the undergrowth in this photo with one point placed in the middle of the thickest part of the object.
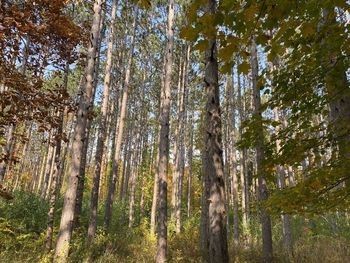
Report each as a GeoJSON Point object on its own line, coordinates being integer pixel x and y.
{"type": "Point", "coordinates": [23, 225]}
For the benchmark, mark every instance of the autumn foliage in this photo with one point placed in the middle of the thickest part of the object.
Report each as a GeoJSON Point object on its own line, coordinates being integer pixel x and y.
{"type": "Point", "coordinates": [34, 36]}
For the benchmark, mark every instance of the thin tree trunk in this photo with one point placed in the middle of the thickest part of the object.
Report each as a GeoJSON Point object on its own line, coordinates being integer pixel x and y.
{"type": "Point", "coordinates": [233, 163]}
{"type": "Point", "coordinates": [176, 173]}
{"type": "Point", "coordinates": [65, 153]}
{"type": "Point", "coordinates": [190, 164]}
{"type": "Point", "coordinates": [262, 187]}
{"type": "Point", "coordinates": [88, 131]}
{"type": "Point", "coordinates": [227, 150]}
{"type": "Point", "coordinates": [155, 190]}
{"type": "Point", "coordinates": [129, 164]}
{"type": "Point", "coordinates": [125, 158]}
{"type": "Point", "coordinates": [67, 218]}
{"type": "Point", "coordinates": [156, 172]}
{"type": "Point", "coordinates": [7, 155]}
{"type": "Point", "coordinates": [243, 169]}
{"type": "Point", "coordinates": [102, 130]}
{"type": "Point", "coordinates": [122, 115]}
{"type": "Point", "coordinates": [182, 126]}
{"type": "Point", "coordinates": [42, 169]}
{"type": "Point", "coordinates": [139, 143]}
{"type": "Point", "coordinates": [179, 143]}
{"type": "Point", "coordinates": [164, 116]}
{"type": "Point", "coordinates": [56, 174]}
{"type": "Point", "coordinates": [134, 177]}
{"type": "Point", "coordinates": [49, 160]}
{"type": "Point", "coordinates": [47, 192]}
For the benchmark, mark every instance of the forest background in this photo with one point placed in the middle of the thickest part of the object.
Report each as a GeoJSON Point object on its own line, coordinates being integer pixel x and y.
{"type": "Point", "coordinates": [178, 131]}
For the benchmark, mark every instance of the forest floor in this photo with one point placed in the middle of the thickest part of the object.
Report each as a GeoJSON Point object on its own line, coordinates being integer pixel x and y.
{"type": "Point", "coordinates": [23, 224]}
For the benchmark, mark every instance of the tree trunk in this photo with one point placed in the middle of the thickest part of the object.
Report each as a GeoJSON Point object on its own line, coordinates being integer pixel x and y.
{"type": "Point", "coordinates": [134, 176]}
{"type": "Point", "coordinates": [156, 172]}
{"type": "Point", "coordinates": [65, 152]}
{"type": "Point", "coordinates": [140, 144]}
{"type": "Point", "coordinates": [7, 155]}
{"type": "Point", "coordinates": [182, 125]}
{"type": "Point", "coordinates": [190, 164]}
{"type": "Point", "coordinates": [243, 168]}
{"type": "Point", "coordinates": [163, 149]}
{"type": "Point", "coordinates": [262, 186]}
{"type": "Point", "coordinates": [88, 132]}
{"type": "Point", "coordinates": [179, 144]}
{"type": "Point", "coordinates": [122, 115]}
{"type": "Point", "coordinates": [233, 162]}
{"type": "Point", "coordinates": [42, 169]}
{"type": "Point", "coordinates": [155, 190]}
{"type": "Point", "coordinates": [176, 172]}
{"type": "Point", "coordinates": [49, 160]}
{"type": "Point", "coordinates": [129, 164]}
{"type": "Point", "coordinates": [66, 224]}
{"type": "Point", "coordinates": [56, 174]}
{"type": "Point", "coordinates": [102, 129]}
{"type": "Point", "coordinates": [213, 154]}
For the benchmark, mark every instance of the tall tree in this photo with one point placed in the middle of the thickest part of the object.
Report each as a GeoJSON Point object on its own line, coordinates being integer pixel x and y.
{"type": "Point", "coordinates": [164, 119]}
{"type": "Point", "coordinates": [122, 116]}
{"type": "Point", "coordinates": [102, 127]}
{"type": "Point", "coordinates": [262, 185]}
{"type": "Point", "coordinates": [212, 152]}
{"type": "Point", "coordinates": [54, 189]}
{"type": "Point", "coordinates": [233, 159]}
{"type": "Point", "coordinates": [67, 217]}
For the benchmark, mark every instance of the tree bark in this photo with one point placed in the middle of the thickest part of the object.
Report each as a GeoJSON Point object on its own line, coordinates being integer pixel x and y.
{"type": "Point", "coordinates": [156, 172]}
{"type": "Point", "coordinates": [66, 224]}
{"type": "Point", "coordinates": [190, 164]}
{"type": "Point", "coordinates": [42, 169]}
{"type": "Point", "coordinates": [163, 149]}
{"type": "Point", "coordinates": [7, 155]}
{"type": "Point", "coordinates": [134, 176]}
{"type": "Point", "coordinates": [122, 115]}
{"type": "Point", "coordinates": [262, 186]}
{"type": "Point", "coordinates": [176, 172]}
{"type": "Point", "coordinates": [88, 132]}
{"type": "Point", "coordinates": [243, 168]}
{"type": "Point", "coordinates": [155, 190]}
{"type": "Point", "coordinates": [213, 154]}
{"type": "Point", "coordinates": [233, 162]}
{"type": "Point", "coordinates": [102, 129]}
{"type": "Point", "coordinates": [56, 174]}
{"type": "Point", "coordinates": [179, 144]}
{"type": "Point", "coordinates": [48, 169]}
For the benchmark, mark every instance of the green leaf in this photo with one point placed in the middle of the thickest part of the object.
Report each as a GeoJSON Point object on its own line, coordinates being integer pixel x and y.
{"type": "Point", "coordinates": [189, 33]}
{"type": "Point", "coordinates": [202, 45]}
{"type": "Point", "coordinates": [244, 68]}
{"type": "Point", "coordinates": [308, 29]}
{"type": "Point", "coordinates": [226, 68]}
